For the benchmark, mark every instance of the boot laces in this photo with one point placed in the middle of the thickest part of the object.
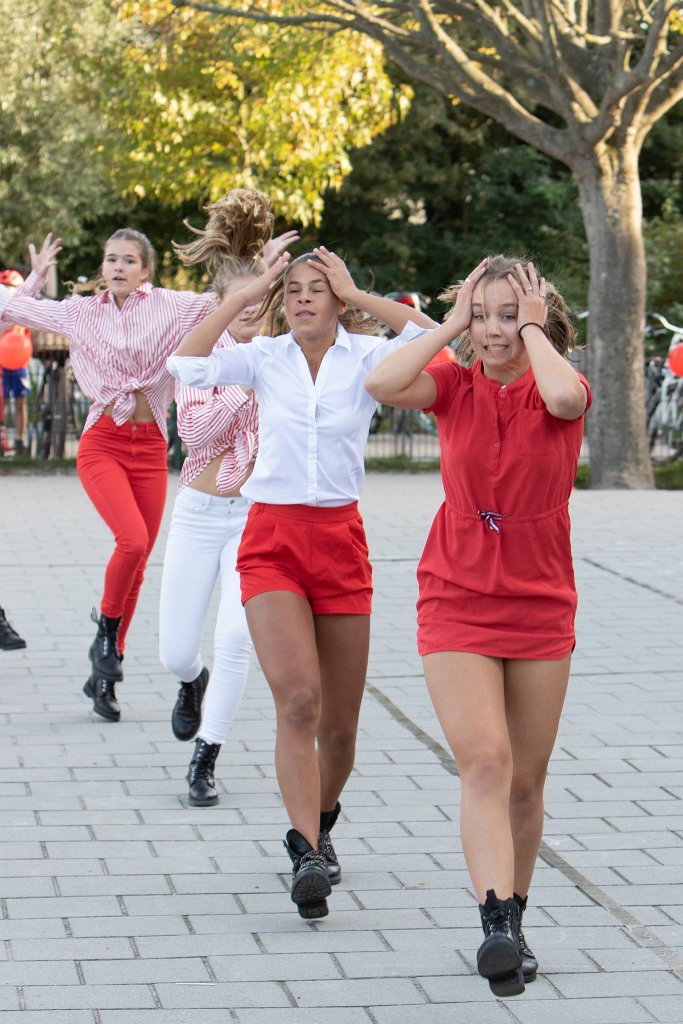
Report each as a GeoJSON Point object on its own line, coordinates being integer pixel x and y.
{"type": "Point", "coordinates": [499, 920]}
{"type": "Point", "coordinates": [204, 762]}
{"type": "Point", "coordinates": [312, 858]}
{"type": "Point", "coordinates": [190, 698]}
{"type": "Point", "coordinates": [326, 847]}
{"type": "Point", "coordinates": [105, 687]}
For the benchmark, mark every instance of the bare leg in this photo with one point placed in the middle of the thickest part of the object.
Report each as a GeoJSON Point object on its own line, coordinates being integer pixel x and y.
{"type": "Point", "coordinates": [343, 642]}
{"type": "Point", "coordinates": [468, 694]}
{"type": "Point", "coordinates": [281, 626]}
{"type": "Point", "coordinates": [534, 695]}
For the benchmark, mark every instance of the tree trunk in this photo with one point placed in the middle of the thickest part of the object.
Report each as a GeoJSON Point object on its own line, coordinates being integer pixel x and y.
{"type": "Point", "coordinates": [609, 187]}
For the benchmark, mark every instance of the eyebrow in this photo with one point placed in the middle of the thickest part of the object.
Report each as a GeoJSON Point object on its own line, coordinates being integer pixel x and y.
{"type": "Point", "coordinates": [313, 280]}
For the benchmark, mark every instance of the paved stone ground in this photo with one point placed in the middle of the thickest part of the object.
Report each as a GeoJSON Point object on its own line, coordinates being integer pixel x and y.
{"type": "Point", "coordinates": [121, 905]}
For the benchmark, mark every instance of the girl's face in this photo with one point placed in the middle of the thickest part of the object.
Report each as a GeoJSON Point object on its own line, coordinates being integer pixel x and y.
{"type": "Point", "coordinates": [493, 331]}
{"type": "Point", "coordinates": [311, 307]}
{"type": "Point", "coordinates": [122, 268]}
{"type": "Point", "coordinates": [241, 330]}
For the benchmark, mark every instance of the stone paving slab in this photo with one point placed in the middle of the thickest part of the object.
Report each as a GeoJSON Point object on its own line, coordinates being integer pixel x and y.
{"type": "Point", "coordinates": [121, 904]}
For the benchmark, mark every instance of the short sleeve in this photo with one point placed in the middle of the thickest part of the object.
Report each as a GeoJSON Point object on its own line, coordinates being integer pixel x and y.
{"type": "Point", "coordinates": [448, 377]}
{"type": "Point", "coordinates": [588, 391]}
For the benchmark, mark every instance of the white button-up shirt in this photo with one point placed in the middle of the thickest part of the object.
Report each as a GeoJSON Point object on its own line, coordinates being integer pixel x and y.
{"type": "Point", "coordinates": [312, 434]}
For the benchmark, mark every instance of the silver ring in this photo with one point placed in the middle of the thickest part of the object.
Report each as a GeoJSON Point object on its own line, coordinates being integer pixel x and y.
{"type": "Point", "coordinates": [527, 290]}
{"type": "Point", "coordinates": [467, 280]}
{"type": "Point", "coordinates": [542, 295]}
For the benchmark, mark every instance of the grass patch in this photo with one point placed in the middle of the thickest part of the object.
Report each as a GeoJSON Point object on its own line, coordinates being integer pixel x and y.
{"type": "Point", "coordinates": [401, 464]}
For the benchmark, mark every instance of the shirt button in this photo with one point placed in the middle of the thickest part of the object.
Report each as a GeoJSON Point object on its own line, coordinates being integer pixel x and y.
{"type": "Point", "coordinates": [497, 444]}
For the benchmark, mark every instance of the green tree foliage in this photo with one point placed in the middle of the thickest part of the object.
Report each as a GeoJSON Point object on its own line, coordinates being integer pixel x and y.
{"type": "Point", "coordinates": [49, 172]}
{"type": "Point", "coordinates": [197, 106]}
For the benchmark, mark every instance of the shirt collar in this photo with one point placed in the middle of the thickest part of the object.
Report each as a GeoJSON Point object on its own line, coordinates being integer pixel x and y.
{"type": "Point", "coordinates": [341, 338]}
{"type": "Point", "coordinates": [144, 289]}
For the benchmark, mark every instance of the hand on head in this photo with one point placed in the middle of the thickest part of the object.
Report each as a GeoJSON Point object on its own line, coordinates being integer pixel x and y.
{"type": "Point", "coordinates": [47, 257]}
{"type": "Point", "coordinates": [531, 295]}
{"type": "Point", "coordinates": [336, 272]}
{"type": "Point", "coordinates": [461, 313]}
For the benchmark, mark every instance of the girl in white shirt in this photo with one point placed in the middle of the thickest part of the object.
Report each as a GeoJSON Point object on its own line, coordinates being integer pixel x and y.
{"type": "Point", "coordinates": [303, 562]}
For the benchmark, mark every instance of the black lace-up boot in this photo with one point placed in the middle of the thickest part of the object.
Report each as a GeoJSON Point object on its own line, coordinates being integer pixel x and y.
{"type": "Point", "coordinates": [9, 638]}
{"type": "Point", "coordinates": [103, 697]}
{"type": "Point", "coordinates": [327, 822]}
{"type": "Point", "coordinates": [203, 792]}
{"type": "Point", "coordinates": [529, 961]}
{"type": "Point", "coordinates": [310, 882]}
{"type": "Point", "coordinates": [104, 652]}
{"type": "Point", "coordinates": [499, 958]}
{"type": "Point", "coordinates": [187, 712]}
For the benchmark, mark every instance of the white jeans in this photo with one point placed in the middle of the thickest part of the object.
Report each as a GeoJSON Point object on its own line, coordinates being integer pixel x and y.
{"type": "Point", "coordinates": [202, 545]}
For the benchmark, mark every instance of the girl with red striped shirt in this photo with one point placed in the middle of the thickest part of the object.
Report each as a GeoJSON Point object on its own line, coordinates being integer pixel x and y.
{"type": "Point", "coordinates": [220, 429]}
{"type": "Point", "coordinates": [120, 339]}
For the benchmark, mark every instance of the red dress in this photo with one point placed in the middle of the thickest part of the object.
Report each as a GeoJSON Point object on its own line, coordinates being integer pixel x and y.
{"type": "Point", "coordinates": [496, 575]}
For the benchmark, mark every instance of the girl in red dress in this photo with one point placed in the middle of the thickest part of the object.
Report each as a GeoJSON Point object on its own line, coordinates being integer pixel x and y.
{"type": "Point", "coordinates": [496, 585]}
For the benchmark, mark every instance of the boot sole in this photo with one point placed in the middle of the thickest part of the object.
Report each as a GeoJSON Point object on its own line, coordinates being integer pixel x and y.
{"type": "Point", "coordinates": [207, 802]}
{"type": "Point", "coordinates": [498, 958]}
{"type": "Point", "coordinates": [309, 892]}
{"type": "Point", "coordinates": [310, 911]}
{"type": "Point", "coordinates": [510, 985]}
{"type": "Point", "coordinates": [108, 715]}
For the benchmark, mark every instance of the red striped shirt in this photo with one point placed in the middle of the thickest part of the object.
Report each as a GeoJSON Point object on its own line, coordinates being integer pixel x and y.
{"type": "Point", "coordinates": [116, 352]}
{"type": "Point", "coordinates": [220, 419]}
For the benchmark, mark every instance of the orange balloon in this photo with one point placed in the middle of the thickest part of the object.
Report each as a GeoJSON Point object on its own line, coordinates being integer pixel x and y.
{"type": "Point", "coordinates": [15, 349]}
{"type": "Point", "coordinates": [445, 355]}
{"type": "Point", "coordinates": [676, 360]}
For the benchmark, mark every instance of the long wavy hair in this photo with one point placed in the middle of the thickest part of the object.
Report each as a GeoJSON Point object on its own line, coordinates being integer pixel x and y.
{"type": "Point", "coordinates": [558, 326]}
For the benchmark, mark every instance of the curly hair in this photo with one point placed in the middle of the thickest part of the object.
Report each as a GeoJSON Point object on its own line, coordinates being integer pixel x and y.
{"type": "Point", "coordinates": [355, 321]}
{"type": "Point", "coordinates": [558, 325]}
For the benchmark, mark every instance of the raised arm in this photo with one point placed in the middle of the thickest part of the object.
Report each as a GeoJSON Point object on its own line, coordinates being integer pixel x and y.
{"type": "Point", "coordinates": [558, 383]}
{"type": "Point", "coordinates": [202, 338]}
{"type": "Point", "coordinates": [399, 378]}
{"type": "Point", "coordinates": [395, 314]}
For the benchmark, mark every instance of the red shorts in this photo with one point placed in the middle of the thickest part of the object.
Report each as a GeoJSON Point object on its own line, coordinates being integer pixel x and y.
{"type": "Point", "coordinates": [317, 552]}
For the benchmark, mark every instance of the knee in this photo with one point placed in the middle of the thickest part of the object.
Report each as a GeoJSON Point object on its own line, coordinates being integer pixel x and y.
{"type": "Point", "coordinates": [338, 741]}
{"type": "Point", "coordinates": [299, 709]}
{"type": "Point", "coordinates": [527, 788]}
{"type": "Point", "coordinates": [134, 543]}
{"type": "Point", "coordinates": [487, 771]}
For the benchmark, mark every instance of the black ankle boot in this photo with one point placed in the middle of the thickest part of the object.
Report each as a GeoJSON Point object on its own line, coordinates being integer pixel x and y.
{"type": "Point", "coordinates": [187, 712]}
{"type": "Point", "coordinates": [310, 883]}
{"type": "Point", "coordinates": [9, 638]}
{"type": "Point", "coordinates": [327, 822]}
{"type": "Point", "coordinates": [529, 961]}
{"type": "Point", "coordinates": [203, 792]}
{"type": "Point", "coordinates": [103, 697]}
{"type": "Point", "coordinates": [104, 653]}
{"type": "Point", "coordinates": [499, 958]}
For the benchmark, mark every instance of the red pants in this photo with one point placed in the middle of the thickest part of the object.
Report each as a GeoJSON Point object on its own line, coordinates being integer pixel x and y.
{"type": "Point", "coordinates": [124, 473]}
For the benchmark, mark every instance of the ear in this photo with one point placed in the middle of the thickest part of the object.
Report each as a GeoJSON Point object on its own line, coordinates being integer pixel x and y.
{"type": "Point", "coordinates": [341, 308]}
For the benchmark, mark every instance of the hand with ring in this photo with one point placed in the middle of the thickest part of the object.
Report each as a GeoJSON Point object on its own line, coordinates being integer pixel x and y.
{"type": "Point", "coordinates": [530, 291]}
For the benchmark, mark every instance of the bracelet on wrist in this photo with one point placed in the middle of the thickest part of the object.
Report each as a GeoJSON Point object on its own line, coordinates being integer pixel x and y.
{"type": "Point", "coordinates": [530, 323]}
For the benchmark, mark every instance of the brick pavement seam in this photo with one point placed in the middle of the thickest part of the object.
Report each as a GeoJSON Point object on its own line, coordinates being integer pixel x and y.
{"type": "Point", "coordinates": [639, 932]}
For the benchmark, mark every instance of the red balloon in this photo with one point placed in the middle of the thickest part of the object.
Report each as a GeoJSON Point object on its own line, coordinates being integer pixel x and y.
{"type": "Point", "coordinates": [15, 349]}
{"type": "Point", "coordinates": [676, 360]}
{"type": "Point", "coordinates": [445, 355]}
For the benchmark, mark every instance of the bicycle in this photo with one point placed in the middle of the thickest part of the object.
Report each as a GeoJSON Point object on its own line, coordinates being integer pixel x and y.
{"type": "Point", "coordinates": [664, 399]}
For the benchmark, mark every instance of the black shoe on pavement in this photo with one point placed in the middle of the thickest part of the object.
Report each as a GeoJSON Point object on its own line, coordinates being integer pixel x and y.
{"type": "Point", "coordinates": [310, 883]}
{"type": "Point", "coordinates": [104, 652]}
{"type": "Point", "coordinates": [529, 961]}
{"type": "Point", "coordinates": [187, 712]}
{"type": "Point", "coordinates": [327, 821]}
{"type": "Point", "coordinates": [203, 792]}
{"type": "Point", "coordinates": [499, 959]}
{"type": "Point", "coordinates": [102, 694]}
{"type": "Point", "coordinates": [9, 638]}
